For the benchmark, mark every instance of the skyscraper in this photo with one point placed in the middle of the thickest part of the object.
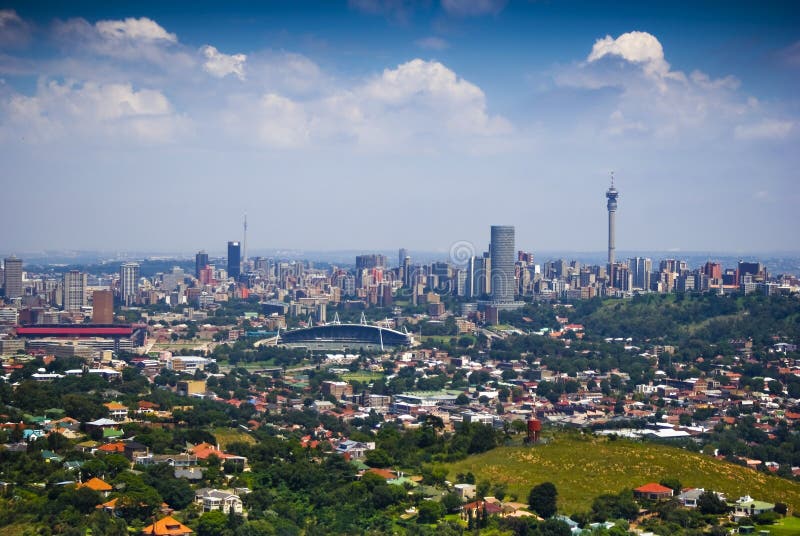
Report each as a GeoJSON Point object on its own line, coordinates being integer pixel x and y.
{"type": "Point", "coordinates": [74, 290]}
{"type": "Point", "coordinates": [612, 195]}
{"type": "Point", "coordinates": [502, 256]}
{"type": "Point", "coordinates": [200, 262]}
{"type": "Point", "coordinates": [12, 277]}
{"type": "Point", "coordinates": [234, 259]}
{"type": "Point", "coordinates": [128, 282]}
{"type": "Point", "coordinates": [640, 268]}
{"type": "Point", "coordinates": [102, 307]}
{"type": "Point", "coordinates": [401, 256]}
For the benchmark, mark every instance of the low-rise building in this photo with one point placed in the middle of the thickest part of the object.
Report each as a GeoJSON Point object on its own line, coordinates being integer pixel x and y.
{"type": "Point", "coordinates": [216, 499]}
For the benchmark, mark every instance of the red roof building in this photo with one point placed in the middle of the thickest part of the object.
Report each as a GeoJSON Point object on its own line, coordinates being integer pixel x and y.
{"type": "Point", "coordinates": [653, 492]}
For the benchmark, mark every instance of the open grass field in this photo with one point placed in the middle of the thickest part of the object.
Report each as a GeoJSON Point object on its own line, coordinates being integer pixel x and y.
{"type": "Point", "coordinates": [584, 467]}
{"type": "Point", "coordinates": [361, 376]}
{"type": "Point", "coordinates": [788, 526]}
{"type": "Point", "coordinates": [226, 436]}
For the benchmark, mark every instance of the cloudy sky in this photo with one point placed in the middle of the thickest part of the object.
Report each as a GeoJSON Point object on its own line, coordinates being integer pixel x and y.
{"type": "Point", "coordinates": [379, 124]}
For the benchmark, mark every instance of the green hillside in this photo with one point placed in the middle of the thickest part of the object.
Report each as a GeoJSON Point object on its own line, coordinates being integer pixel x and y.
{"type": "Point", "coordinates": [584, 467]}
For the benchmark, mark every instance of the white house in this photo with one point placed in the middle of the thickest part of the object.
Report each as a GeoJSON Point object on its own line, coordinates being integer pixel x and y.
{"type": "Point", "coordinates": [216, 499]}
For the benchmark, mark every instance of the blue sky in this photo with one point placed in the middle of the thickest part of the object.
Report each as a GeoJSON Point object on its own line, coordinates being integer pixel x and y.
{"type": "Point", "coordinates": [381, 124]}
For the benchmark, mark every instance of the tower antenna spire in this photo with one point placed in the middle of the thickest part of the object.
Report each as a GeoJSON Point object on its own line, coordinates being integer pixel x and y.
{"type": "Point", "coordinates": [245, 239]}
{"type": "Point", "coordinates": [612, 178]}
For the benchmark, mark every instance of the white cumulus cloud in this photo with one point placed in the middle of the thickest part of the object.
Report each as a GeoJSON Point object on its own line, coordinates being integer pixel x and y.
{"type": "Point", "coordinates": [221, 65]}
{"type": "Point", "coordinates": [130, 39]}
{"type": "Point", "coordinates": [650, 98]}
{"type": "Point", "coordinates": [636, 47]}
{"type": "Point", "coordinates": [418, 100]}
{"type": "Point", "coordinates": [141, 29]}
{"type": "Point", "coordinates": [90, 110]}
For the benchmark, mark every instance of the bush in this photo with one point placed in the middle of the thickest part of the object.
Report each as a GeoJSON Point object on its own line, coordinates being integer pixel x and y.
{"type": "Point", "coordinates": [767, 518]}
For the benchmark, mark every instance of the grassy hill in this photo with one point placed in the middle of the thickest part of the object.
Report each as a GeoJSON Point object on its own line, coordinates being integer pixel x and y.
{"type": "Point", "coordinates": [584, 467]}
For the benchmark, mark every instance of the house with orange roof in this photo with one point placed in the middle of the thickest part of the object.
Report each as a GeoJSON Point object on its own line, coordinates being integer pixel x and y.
{"type": "Point", "coordinates": [116, 411]}
{"type": "Point", "coordinates": [108, 506]}
{"type": "Point", "coordinates": [204, 450]}
{"type": "Point", "coordinates": [109, 448]}
{"type": "Point", "coordinates": [386, 474]}
{"type": "Point", "coordinates": [653, 492]}
{"type": "Point", "coordinates": [97, 485]}
{"type": "Point", "coordinates": [168, 526]}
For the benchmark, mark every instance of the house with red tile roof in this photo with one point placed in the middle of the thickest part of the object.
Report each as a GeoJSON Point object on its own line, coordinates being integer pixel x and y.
{"type": "Point", "coordinates": [168, 526]}
{"type": "Point", "coordinates": [204, 450]}
{"type": "Point", "coordinates": [653, 492]}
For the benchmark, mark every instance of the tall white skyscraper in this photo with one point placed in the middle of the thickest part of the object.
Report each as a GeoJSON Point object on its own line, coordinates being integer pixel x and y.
{"type": "Point", "coordinates": [75, 284]}
{"type": "Point", "coordinates": [128, 282]}
{"type": "Point", "coordinates": [502, 256]}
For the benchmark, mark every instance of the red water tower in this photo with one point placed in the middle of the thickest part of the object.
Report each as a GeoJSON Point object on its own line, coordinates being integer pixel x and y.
{"type": "Point", "coordinates": [534, 428]}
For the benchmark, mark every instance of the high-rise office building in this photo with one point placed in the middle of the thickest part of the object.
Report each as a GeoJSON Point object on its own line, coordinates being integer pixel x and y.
{"type": "Point", "coordinates": [612, 194]}
{"type": "Point", "coordinates": [502, 252]}
{"type": "Point", "coordinates": [200, 262]}
{"type": "Point", "coordinates": [713, 270]}
{"type": "Point", "coordinates": [102, 307]}
{"type": "Point", "coordinates": [234, 259]}
{"type": "Point", "coordinates": [401, 256]}
{"type": "Point", "coordinates": [640, 268]}
{"type": "Point", "coordinates": [75, 284]}
{"type": "Point", "coordinates": [407, 271]}
{"type": "Point", "coordinates": [12, 277]}
{"type": "Point", "coordinates": [128, 282]}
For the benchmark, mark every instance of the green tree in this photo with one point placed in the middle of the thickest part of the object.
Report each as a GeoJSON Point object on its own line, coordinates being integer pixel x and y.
{"type": "Point", "coordinates": [483, 439]}
{"type": "Point", "coordinates": [542, 499]}
{"type": "Point", "coordinates": [214, 523]}
{"type": "Point", "coordinates": [451, 502]}
{"type": "Point", "coordinates": [430, 512]}
{"type": "Point", "coordinates": [553, 527]}
{"type": "Point", "coordinates": [709, 503]}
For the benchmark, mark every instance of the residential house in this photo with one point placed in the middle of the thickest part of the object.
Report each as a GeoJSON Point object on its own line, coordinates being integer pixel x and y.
{"type": "Point", "coordinates": [653, 492]}
{"type": "Point", "coordinates": [116, 411]}
{"type": "Point", "coordinates": [167, 526]}
{"type": "Point", "coordinates": [354, 450]}
{"type": "Point", "coordinates": [217, 499]}
{"type": "Point", "coordinates": [690, 496]}
{"type": "Point", "coordinates": [98, 485]}
{"type": "Point", "coordinates": [204, 450]}
{"type": "Point", "coordinates": [748, 507]}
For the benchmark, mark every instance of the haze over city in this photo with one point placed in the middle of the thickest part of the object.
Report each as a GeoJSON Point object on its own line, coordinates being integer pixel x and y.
{"type": "Point", "coordinates": [369, 124]}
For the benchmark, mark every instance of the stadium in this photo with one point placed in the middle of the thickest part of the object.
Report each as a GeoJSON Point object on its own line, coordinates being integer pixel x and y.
{"type": "Point", "coordinates": [345, 337]}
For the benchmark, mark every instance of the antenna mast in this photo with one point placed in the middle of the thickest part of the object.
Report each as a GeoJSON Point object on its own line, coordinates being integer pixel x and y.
{"type": "Point", "coordinates": [245, 238]}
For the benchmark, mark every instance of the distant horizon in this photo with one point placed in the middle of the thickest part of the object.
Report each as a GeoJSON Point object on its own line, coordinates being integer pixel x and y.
{"type": "Point", "coordinates": [391, 254]}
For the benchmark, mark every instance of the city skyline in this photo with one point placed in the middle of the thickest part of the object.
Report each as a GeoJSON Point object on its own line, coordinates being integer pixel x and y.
{"type": "Point", "coordinates": [367, 124]}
